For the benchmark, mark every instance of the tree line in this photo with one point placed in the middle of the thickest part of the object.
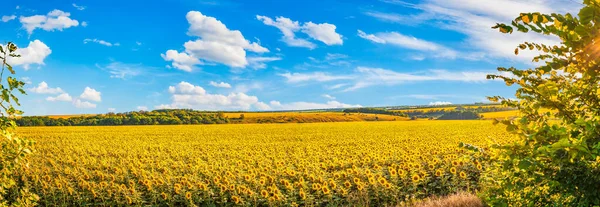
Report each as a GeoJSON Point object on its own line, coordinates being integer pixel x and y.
{"type": "Point", "coordinates": [156, 117]}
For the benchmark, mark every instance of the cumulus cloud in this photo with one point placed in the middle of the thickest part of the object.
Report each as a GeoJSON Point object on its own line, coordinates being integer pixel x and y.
{"type": "Point", "coordinates": [181, 61]}
{"type": "Point", "coordinates": [187, 95]}
{"type": "Point", "coordinates": [216, 43]}
{"type": "Point", "coordinates": [142, 108]}
{"type": "Point", "coordinates": [323, 32]}
{"type": "Point", "coordinates": [61, 97]}
{"type": "Point", "coordinates": [90, 94]}
{"type": "Point", "coordinates": [439, 103]}
{"type": "Point", "coordinates": [83, 104]}
{"type": "Point", "coordinates": [112, 109]}
{"type": "Point", "coordinates": [220, 85]}
{"type": "Point", "coordinates": [35, 53]}
{"type": "Point", "coordinates": [54, 20]}
{"type": "Point", "coordinates": [43, 88]}
{"type": "Point", "coordinates": [102, 42]}
{"type": "Point", "coordinates": [8, 18]}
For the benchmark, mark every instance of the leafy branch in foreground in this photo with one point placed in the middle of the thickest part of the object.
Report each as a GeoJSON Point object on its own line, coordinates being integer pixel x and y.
{"type": "Point", "coordinates": [13, 150]}
{"type": "Point", "coordinates": [557, 158]}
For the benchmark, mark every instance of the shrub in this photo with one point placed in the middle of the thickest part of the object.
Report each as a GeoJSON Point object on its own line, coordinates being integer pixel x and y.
{"type": "Point", "coordinates": [555, 162]}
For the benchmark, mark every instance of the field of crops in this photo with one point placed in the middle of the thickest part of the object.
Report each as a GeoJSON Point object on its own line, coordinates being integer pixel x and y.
{"type": "Point", "coordinates": [358, 163]}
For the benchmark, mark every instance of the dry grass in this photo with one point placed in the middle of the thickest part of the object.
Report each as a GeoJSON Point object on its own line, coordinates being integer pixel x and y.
{"type": "Point", "coordinates": [456, 200]}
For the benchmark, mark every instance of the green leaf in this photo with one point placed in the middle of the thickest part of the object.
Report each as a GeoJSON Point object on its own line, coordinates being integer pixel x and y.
{"type": "Point", "coordinates": [586, 14]}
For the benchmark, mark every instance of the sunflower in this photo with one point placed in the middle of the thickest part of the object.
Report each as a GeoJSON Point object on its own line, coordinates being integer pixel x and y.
{"type": "Point", "coordinates": [325, 190]}
{"type": "Point", "coordinates": [264, 193]}
{"type": "Point", "coordinates": [302, 194]}
{"type": "Point", "coordinates": [188, 195]}
{"type": "Point", "coordinates": [438, 173]}
{"type": "Point", "coordinates": [453, 170]}
{"type": "Point", "coordinates": [347, 184]}
{"type": "Point", "coordinates": [316, 186]}
{"type": "Point", "coordinates": [463, 175]}
{"type": "Point", "coordinates": [163, 195]}
{"type": "Point", "coordinates": [382, 181]}
{"type": "Point", "coordinates": [416, 178]}
{"type": "Point", "coordinates": [455, 163]}
{"type": "Point", "coordinates": [129, 201]}
{"type": "Point", "coordinates": [360, 186]}
{"type": "Point", "coordinates": [236, 199]}
{"type": "Point", "coordinates": [479, 167]}
{"type": "Point", "coordinates": [388, 186]}
{"type": "Point", "coordinates": [393, 173]}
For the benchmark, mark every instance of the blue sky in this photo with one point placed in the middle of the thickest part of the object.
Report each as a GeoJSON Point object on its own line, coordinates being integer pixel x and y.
{"type": "Point", "coordinates": [100, 56]}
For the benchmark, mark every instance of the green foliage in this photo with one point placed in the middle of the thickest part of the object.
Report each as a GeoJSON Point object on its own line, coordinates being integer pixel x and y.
{"type": "Point", "coordinates": [557, 160]}
{"type": "Point", "coordinates": [13, 150]}
{"type": "Point", "coordinates": [156, 117]}
{"type": "Point", "coordinates": [374, 111]}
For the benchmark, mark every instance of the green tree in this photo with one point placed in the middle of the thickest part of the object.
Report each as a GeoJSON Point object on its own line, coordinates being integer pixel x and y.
{"type": "Point", "coordinates": [13, 150]}
{"type": "Point", "coordinates": [556, 161]}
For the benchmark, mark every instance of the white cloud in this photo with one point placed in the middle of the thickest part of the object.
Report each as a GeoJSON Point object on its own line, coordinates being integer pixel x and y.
{"type": "Point", "coordinates": [102, 42]}
{"type": "Point", "coordinates": [260, 62]}
{"type": "Point", "coordinates": [323, 32]}
{"type": "Point", "coordinates": [123, 70]}
{"type": "Point", "coordinates": [138, 43]}
{"type": "Point", "coordinates": [142, 108]}
{"type": "Point", "coordinates": [90, 94]}
{"type": "Point", "coordinates": [439, 103]}
{"type": "Point", "coordinates": [34, 53]}
{"type": "Point", "coordinates": [378, 76]}
{"type": "Point", "coordinates": [43, 88]}
{"type": "Point", "coordinates": [216, 43]}
{"type": "Point", "coordinates": [327, 96]}
{"type": "Point", "coordinates": [61, 97]}
{"type": "Point", "coordinates": [364, 77]}
{"type": "Point", "coordinates": [8, 18]}
{"type": "Point", "coordinates": [84, 24]}
{"type": "Point", "coordinates": [112, 109]}
{"type": "Point", "coordinates": [220, 85]}
{"type": "Point", "coordinates": [181, 61]}
{"type": "Point", "coordinates": [288, 28]}
{"type": "Point", "coordinates": [316, 76]}
{"type": "Point", "coordinates": [474, 18]}
{"type": "Point", "coordinates": [54, 20]}
{"type": "Point", "coordinates": [83, 104]}
{"type": "Point", "coordinates": [409, 42]}
{"type": "Point", "coordinates": [275, 105]}
{"type": "Point", "coordinates": [80, 8]}
{"type": "Point", "coordinates": [187, 95]}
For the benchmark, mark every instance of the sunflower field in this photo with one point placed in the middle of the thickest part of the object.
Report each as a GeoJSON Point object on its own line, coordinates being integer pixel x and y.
{"type": "Point", "coordinates": [319, 164]}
